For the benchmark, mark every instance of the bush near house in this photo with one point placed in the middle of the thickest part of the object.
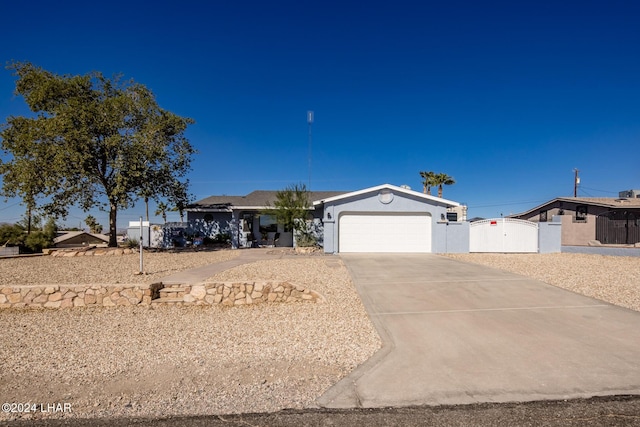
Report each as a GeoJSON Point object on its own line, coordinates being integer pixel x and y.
{"type": "Point", "coordinates": [34, 242]}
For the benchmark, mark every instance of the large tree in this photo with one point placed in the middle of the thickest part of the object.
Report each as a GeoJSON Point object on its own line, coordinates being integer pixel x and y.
{"type": "Point", "coordinates": [94, 141]}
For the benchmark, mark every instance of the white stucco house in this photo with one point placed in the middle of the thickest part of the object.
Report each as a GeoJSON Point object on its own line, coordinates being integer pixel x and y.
{"type": "Point", "coordinates": [384, 218]}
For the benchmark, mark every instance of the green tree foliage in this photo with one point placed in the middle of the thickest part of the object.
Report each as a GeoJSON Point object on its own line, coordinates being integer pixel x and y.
{"type": "Point", "coordinates": [93, 141]}
{"type": "Point", "coordinates": [93, 225]}
{"type": "Point", "coordinates": [291, 207]}
{"type": "Point", "coordinates": [12, 235]}
{"type": "Point", "coordinates": [179, 197]}
{"type": "Point", "coordinates": [433, 179]}
{"type": "Point", "coordinates": [161, 209]}
{"type": "Point", "coordinates": [427, 181]}
{"type": "Point", "coordinates": [16, 235]}
{"type": "Point", "coordinates": [441, 179]}
{"type": "Point", "coordinates": [30, 222]}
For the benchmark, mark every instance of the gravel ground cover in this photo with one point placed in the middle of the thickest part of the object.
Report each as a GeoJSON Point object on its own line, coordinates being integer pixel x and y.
{"type": "Point", "coordinates": [613, 279]}
{"type": "Point", "coordinates": [104, 269]}
{"type": "Point", "coordinates": [135, 361]}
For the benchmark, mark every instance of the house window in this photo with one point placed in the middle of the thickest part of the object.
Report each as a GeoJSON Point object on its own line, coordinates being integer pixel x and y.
{"type": "Point", "coordinates": [581, 213]}
{"type": "Point", "coordinates": [452, 216]}
{"type": "Point", "coordinates": [268, 223]}
{"type": "Point", "coordinates": [208, 217]}
{"type": "Point", "coordinates": [543, 216]}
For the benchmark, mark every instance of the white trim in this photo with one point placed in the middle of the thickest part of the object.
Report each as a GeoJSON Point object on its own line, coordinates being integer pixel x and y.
{"type": "Point", "coordinates": [390, 187]}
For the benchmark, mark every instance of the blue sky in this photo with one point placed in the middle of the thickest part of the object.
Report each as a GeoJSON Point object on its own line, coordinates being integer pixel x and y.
{"type": "Point", "coordinates": [506, 97]}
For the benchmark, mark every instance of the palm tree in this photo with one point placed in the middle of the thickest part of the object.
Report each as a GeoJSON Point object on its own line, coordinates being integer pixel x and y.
{"type": "Point", "coordinates": [441, 179]}
{"type": "Point", "coordinates": [162, 210]}
{"type": "Point", "coordinates": [428, 181]}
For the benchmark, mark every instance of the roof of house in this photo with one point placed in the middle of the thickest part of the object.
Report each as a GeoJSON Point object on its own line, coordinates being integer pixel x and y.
{"type": "Point", "coordinates": [387, 187]}
{"type": "Point", "coordinates": [71, 234]}
{"type": "Point", "coordinates": [608, 202]}
{"type": "Point", "coordinates": [255, 200]}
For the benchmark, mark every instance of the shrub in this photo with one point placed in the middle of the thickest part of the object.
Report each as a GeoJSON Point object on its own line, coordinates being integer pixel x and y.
{"type": "Point", "coordinates": [131, 243]}
{"type": "Point", "coordinates": [37, 240]}
{"type": "Point", "coordinates": [222, 238]}
{"type": "Point", "coordinates": [12, 234]}
{"type": "Point", "coordinates": [306, 240]}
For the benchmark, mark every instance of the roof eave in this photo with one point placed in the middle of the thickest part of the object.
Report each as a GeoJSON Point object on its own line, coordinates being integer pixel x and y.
{"type": "Point", "coordinates": [439, 200]}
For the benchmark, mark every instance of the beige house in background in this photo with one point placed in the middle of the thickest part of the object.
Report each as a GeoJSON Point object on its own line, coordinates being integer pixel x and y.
{"type": "Point", "coordinates": [592, 220]}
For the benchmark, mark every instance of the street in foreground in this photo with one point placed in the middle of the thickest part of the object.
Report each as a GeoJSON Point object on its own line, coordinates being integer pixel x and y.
{"type": "Point", "coordinates": [600, 411]}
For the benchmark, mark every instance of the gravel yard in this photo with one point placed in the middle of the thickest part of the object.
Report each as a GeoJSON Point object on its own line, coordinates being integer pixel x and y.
{"type": "Point", "coordinates": [134, 361]}
{"type": "Point", "coordinates": [612, 279]}
{"type": "Point", "coordinates": [103, 269]}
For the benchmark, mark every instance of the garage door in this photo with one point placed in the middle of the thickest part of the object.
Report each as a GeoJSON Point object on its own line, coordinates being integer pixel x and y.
{"type": "Point", "coordinates": [385, 233]}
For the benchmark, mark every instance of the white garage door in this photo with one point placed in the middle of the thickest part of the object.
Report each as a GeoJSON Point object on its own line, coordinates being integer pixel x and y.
{"type": "Point", "coordinates": [385, 233]}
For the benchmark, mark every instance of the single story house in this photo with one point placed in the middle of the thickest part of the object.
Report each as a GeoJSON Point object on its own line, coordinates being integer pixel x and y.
{"type": "Point", "coordinates": [75, 239]}
{"type": "Point", "coordinates": [384, 218]}
{"type": "Point", "coordinates": [242, 218]}
{"type": "Point", "coordinates": [585, 220]}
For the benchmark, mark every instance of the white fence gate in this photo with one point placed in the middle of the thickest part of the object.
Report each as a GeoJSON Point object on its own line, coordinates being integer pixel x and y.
{"type": "Point", "coordinates": [503, 235]}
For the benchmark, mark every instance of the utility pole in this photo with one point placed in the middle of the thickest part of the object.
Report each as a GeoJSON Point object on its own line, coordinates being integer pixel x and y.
{"type": "Point", "coordinates": [576, 182]}
{"type": "Point", "coordinates": [310, 122]}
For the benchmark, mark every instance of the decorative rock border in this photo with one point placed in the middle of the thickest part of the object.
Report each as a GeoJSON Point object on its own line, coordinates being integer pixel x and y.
{"type": "Point", "coordinates": [219, 293]}
{"type": "Point", "coordinates": [68, 296]}
{"type": "Point", "coordinates": [91, 251]}
{"type": "Point", "coordinates": [237, 293]}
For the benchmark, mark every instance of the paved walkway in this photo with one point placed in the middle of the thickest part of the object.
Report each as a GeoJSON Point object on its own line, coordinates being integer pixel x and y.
{"type": "Point", "coordinates": [458, 333]}
{"type": "Point", "coordinates": [246, 256]}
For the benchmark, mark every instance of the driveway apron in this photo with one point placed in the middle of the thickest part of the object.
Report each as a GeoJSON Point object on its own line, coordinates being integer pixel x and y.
{"type": "Point", "coordinates": [456, 333]}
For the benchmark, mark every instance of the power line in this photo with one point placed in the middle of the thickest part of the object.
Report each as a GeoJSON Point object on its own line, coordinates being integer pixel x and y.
{"type": "Point", "coordinates": [507, 204]}
{"type": "Point", "coordinates": [601, 191]}
{"type": "Point", "coordinates": [10, 206]}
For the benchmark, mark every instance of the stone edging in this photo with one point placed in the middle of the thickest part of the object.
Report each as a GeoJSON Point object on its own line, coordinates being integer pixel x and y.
{"type": "Point", "coordinates": [217, 293]}
{"type": "Point", "coordinates": [237, 293]}
{"type": "Point", "coordinates": [90, 251]}
{"type": "Point", "coordinates": [68, 296]}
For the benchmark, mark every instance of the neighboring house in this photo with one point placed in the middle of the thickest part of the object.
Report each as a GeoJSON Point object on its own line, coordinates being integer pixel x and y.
{"type": "Point", "coordinates": [586, 219]}
{"type": "Point", "coordinates": [74, 239]}
{"type": "Point", "coordinates": [385, 218]}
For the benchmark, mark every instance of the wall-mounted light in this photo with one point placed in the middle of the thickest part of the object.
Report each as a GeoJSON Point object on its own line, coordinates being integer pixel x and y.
{"type": "Point", "coordinates": [329, 215]}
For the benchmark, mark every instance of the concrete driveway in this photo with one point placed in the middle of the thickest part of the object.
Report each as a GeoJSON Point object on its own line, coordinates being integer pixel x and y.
{"type": "Point", "coordinates": [456, 333]}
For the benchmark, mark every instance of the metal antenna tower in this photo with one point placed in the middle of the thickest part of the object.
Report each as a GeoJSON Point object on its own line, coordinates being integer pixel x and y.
{"type": "Point", "coordinates": [310, 122]}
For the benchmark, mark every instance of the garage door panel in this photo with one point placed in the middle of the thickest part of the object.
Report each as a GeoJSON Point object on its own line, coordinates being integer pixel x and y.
{"type": "Point", "coordinates": [385, 233]}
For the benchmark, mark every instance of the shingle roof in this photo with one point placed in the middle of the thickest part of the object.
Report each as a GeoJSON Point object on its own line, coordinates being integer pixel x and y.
{"type": "Point", "coordinates": [71, 234]}
{"type": "Point", "coordinates": [610, 202]}
{"type": "Point", "coordinates": [256, 199]}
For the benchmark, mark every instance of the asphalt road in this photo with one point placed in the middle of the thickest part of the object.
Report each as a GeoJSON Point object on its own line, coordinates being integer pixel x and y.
{"type": "Point", "coordinates": [601, 411]}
